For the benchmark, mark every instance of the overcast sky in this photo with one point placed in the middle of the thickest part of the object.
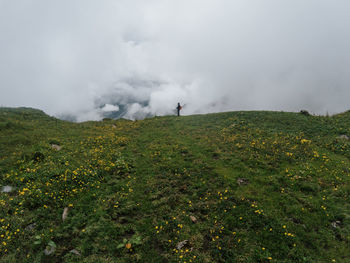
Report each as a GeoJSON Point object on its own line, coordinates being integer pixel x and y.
{"type": "Point", "coordinates": [84, 58]}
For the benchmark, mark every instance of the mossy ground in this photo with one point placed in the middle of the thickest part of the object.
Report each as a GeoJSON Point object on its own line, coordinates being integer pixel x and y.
{"type": "Point", "coordinates": [263, 187]}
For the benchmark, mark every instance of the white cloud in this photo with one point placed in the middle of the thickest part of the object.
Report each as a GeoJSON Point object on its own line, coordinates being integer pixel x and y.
{"type": "Point", "coordinates": [73, 57]}
{"type": "Point", "coordinates": [109, 107]}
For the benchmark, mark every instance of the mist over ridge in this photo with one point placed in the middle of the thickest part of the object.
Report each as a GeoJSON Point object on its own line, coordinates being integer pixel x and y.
{"type": "Point", "coordinates": [92, 59]}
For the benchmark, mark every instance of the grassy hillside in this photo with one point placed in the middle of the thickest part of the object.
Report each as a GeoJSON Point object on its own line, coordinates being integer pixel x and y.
{"type": "Point", "coordinates": [228, 187]}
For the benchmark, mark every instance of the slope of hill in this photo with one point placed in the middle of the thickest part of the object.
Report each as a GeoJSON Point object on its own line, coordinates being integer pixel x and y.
{"type": "Point", "coordinates": [228, 187]}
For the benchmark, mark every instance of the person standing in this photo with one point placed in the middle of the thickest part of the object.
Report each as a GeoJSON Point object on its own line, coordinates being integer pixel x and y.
{"type": "Point", "coordinates": [179, 107]}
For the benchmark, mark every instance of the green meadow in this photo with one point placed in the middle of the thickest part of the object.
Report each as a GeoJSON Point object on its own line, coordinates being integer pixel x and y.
{"type": "Point", "coordinates": [226, 187]}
